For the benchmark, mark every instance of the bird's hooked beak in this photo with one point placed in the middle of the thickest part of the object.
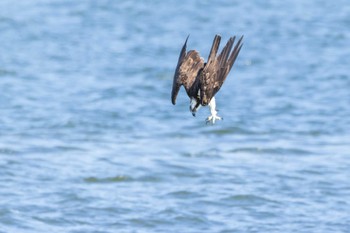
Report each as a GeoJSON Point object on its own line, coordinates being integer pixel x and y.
{"type": "Point", "coordinates": [193, 110]}
{"type": "Point", "coordinates": [194, 106]}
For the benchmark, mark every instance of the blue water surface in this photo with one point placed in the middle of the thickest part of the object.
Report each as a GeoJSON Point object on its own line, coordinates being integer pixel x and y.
{"type": "Point", "coordinates": [90, 142]}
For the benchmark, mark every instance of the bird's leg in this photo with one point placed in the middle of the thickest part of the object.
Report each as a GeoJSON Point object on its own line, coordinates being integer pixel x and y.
{"type": "Point", "coordinates": [213, 117]}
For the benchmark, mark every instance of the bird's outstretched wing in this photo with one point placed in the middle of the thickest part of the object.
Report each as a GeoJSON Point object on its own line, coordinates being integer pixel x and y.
{"type": "Point", "coordinates": [186, 71]}
{"type": "Point", "coordinates": [217, 68]}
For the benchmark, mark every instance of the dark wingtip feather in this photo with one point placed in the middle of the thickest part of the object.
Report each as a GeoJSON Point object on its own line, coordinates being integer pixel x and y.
{"type": "Point", "coordinates": [236, 51]}
{"type": "Point", "coordinates": [176, 87]}
{"type": "Point", "coordinates": [214, 47]}
{"type": "Point", "coordinates": [185, 44]}
{"type": "Point", "coordinates": [174, 93]}
{"type": "Point", "coordinates": [183, 51]}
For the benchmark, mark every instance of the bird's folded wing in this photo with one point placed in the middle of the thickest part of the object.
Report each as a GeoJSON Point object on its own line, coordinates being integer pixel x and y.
{"type": "Point", "coordinates": [186, 71]}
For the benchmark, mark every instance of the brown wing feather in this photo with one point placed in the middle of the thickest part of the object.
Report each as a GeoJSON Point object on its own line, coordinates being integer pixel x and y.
{"type": "Point", "coordinates": [186, 71]}
{"type": "Point", "coordinates": [217, 68]}
{"type": "Point", "coordinates": [226, 62]}
{"type": "Point", "coordinates": [207, 77]}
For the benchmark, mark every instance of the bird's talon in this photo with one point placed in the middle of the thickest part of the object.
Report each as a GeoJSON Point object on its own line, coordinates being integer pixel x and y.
{"type": "Point", "coordinates": [211, 119]}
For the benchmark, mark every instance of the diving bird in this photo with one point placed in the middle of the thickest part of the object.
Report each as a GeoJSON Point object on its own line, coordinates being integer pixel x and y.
{"type": "Point", "coordinates": [203, 80]}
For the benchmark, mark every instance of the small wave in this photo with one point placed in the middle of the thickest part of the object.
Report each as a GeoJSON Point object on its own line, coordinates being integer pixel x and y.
{"type": "Point", "coordinates": [275, 151]}
{"type": "Point", "coordinates": [114, 179]}
{"type": "Point", "coordinates": [230, 130]}
{"type": "Point", "coordinates": [247, 199]}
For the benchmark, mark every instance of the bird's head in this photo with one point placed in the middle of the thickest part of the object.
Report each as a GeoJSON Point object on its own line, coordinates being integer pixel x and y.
{"type": "Point", "coordinates": [194, 105]}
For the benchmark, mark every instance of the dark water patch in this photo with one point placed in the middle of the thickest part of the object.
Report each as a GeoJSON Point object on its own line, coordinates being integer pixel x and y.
{"type": "Point", "coordinates": [290, 177]}
{"type": "Point", "coordinates": [151, 178]}
{"type": "Point", "coordinates": [157, 178]}
{"type": "Point", "coordinates": [247, 200]}
{"type": "Point", "coordinates": [184, 194]}
{"type": "Point", "coordinates": [213, 153]}
{"type": "Point", "coordinates": [312, 172]}
{"type": "Point", "coordinates": [4, 72]}
{"type": "Point", "coordinates": [8, 151]}
{"type": "Point", "coordinates": [69, 148]}
{"type": "Point", "coordinates": [229, 131]}
{"type": "Point", "coordinates": [273, 151]}
{"type": "Point", "coordinates": [115, 179]}
{"type": "Point", "coordinates": [189, 219]}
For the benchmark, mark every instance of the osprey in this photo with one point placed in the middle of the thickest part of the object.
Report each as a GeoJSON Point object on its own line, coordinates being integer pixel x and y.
{"type": "Point", "coordinates": [203, 80]}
